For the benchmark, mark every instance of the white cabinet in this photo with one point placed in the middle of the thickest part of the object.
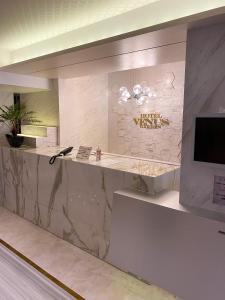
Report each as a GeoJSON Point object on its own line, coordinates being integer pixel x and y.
{"type": "Point", "coordinates": [161, 242]}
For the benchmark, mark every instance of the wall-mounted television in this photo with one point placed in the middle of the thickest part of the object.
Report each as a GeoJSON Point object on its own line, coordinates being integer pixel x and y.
{"type": "Point", "coordinates": [209, 144]}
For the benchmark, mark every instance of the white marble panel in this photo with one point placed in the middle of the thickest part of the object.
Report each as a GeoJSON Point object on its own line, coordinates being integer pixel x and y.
{"type": "Point", "coordinates": [73, 199]}
{"type": "Point", "coordinates": [204, 93]}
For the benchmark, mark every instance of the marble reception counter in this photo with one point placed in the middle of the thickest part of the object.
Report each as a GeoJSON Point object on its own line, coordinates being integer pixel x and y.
{"type": "Point", "coordinates": [73, 199]}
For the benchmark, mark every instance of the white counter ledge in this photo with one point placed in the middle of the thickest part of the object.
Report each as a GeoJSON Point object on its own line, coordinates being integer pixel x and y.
{"type": "Point", "coordinates": [133, 165]}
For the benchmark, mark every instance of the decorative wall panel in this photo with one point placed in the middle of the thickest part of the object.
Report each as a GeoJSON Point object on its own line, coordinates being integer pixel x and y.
{"type": "Point", "coordinates": [125, 137]}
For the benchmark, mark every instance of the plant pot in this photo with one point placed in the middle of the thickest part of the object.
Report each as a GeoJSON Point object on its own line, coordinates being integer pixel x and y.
{"type": "Point", "coordinates": [14, 140]}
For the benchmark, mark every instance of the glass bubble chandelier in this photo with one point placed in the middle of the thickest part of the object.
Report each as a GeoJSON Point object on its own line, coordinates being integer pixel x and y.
{"type": "Point", "coordinates": [140, 94]}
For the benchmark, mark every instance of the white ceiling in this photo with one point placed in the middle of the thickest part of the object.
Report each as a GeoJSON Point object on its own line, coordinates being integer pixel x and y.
{"type": "Point", "coordinates": [30, 29]}
{"type": "Point", "coordinates": [25, 22]}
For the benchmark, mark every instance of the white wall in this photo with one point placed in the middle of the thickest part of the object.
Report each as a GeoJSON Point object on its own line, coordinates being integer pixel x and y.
{"type": "Point", "coordinates": [45, 104]}
{"type": "Point", "coordinates": [83, 110]}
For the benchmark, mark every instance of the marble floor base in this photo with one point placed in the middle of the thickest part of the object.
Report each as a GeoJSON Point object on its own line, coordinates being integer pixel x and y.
{"type": "Point", "coordinates": [90, 277]}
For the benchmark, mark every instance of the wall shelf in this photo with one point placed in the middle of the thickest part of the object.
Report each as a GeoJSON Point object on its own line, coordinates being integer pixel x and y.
{"type": "Point", "coordinates": [39, 136]}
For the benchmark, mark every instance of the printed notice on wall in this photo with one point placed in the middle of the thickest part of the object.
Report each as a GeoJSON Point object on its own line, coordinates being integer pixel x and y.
{"type": "Point", "coordinates": [219, 190]}
{"type": "Point", "coordinates": [84, 152]}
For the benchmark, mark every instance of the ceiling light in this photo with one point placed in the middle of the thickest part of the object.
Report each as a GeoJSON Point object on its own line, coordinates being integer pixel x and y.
{"type": "Point", "coordinates": [139, 94]}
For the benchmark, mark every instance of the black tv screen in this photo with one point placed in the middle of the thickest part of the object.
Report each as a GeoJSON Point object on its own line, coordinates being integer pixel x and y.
{"type": "Point", "coordinates": [210, 140]}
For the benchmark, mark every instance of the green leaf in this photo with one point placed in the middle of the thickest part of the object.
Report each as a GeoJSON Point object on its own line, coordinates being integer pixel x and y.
{"type": "Point", "coordinates": [14, 114]}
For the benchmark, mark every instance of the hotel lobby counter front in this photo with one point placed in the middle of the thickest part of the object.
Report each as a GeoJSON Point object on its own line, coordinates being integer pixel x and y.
{"type": "Point", "coordinates": [86, 275]}
{"type": "Point", "coordinates": [73, 198]}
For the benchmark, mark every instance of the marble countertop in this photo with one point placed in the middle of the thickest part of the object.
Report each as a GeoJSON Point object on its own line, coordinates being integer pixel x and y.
{"type": "Point", "coordinates": [142, 167]}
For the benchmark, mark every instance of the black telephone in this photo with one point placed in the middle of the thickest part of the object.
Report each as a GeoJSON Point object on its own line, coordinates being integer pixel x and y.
{"type": "Point", "coordinates": [61, 153]}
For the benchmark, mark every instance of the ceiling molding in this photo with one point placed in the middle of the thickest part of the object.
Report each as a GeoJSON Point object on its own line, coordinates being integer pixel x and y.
{"type": "Point", "coordinates": [5, 57]}
{"type": "Point", "coordinates": [15, 82]}
{"type": "Point", "coordinates": [148, 49]}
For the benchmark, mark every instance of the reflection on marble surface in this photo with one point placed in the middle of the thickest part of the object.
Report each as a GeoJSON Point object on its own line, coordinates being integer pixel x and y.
{"type": "Point", "coordinates": [72, 199]}
{"type": "Point", "coordinates": [87, 275]}
{"type": "Point", "coordinates": [19, 281]}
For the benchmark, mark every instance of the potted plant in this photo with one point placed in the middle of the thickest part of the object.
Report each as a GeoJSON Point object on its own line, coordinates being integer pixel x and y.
{"type": "Point", "coordinates": [13, 116]}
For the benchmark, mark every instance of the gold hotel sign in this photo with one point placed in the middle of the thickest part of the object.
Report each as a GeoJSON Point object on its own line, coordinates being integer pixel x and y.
{"type": "Point", "coordinates": [151, 121]}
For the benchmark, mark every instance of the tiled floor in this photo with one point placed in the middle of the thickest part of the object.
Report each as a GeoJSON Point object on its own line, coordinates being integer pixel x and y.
{"type": "Point", "coordinates": [90, 277]}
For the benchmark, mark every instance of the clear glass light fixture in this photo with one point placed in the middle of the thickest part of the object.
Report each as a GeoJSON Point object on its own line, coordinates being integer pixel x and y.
{"type": "Point", "coordinates": [139, 94]}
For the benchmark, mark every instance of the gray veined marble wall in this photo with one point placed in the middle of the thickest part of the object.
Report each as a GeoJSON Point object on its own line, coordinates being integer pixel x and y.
{"type": "Point", "coordinates": [204, 93]}
{"type": "Point", "coordinates": [5, 99]}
